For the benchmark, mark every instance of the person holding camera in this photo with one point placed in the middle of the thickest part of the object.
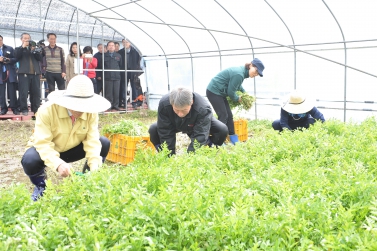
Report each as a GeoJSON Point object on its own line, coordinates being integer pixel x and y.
{"type": "Point", "coordinates": [90, 64]}
{"type": "Point", "coordinates": [29, 74]}
{"type": "Point", "coordinates": [55, 64]}
{"type": "Point", "coordinates": [8, 78]}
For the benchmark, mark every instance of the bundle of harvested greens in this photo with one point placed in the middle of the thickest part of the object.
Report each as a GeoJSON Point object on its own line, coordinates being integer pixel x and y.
{"type": "Point", "coordinates": [127, 127]}
{"type": "Point", "coordinates": [246, 101]}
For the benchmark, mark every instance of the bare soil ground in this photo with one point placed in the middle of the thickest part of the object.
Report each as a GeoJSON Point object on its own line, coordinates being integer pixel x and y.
{"type": "Point", "coordinates": [13, 138]}
{"type": "Point", "coordinates": [15, 134]}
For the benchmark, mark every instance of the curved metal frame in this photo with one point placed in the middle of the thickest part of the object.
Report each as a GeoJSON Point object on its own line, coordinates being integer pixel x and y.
{"type": "Point", "coordinates": [293, 41]}
{"type": "Point", "coordinates": [260, 39]}
{"type": "Point", "coordinates": [188, 47]}
{"type": "Point", "coordinates": [69, 27]}
{"type": "Point", "coordinates": [15, 21]}
{"type": "Point", "coordinates": [167, 68]}
{"type": "Point", "coordinates": [210, 31]}
{"type": "Point", "coordinates": [252, 51]}
{"type": "Point", "coordinates": [205, 28]}
{"type": "Point", "coordinates": [44, 23]}
{"type": "Point", "coordinates": [91, 39]}
{"type": "Point", "coordinates": [345, 61]}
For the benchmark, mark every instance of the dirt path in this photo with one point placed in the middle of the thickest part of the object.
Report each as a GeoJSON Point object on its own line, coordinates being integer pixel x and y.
{"type": "Point", "coordinates": [13, 139]}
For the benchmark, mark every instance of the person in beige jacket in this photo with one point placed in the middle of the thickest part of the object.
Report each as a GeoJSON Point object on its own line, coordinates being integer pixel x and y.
{"type": "Point", "coordinates": [66, 130]}
{"type": "Point", "coordinates": [70, 62]}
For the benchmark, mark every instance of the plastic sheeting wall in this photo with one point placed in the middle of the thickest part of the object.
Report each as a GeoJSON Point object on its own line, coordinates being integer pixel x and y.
{"type": "Point", "coordinates": [198, 38]}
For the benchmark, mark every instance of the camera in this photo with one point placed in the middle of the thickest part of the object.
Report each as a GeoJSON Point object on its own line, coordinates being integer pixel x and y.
{"type": "Point", "coordinates": [38, 47]}
{"type": "Point", "coordinates": [6, 60]}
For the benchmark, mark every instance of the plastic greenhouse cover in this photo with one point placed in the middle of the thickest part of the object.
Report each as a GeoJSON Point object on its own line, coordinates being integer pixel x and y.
{"type": "Point", "coordinates": [198, 38]}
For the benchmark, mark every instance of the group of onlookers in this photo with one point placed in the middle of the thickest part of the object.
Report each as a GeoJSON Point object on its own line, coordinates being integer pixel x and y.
{"type": "Point", "coordinates": [113, 62]}
{"type": "Point", "coordinates": [49, 62]}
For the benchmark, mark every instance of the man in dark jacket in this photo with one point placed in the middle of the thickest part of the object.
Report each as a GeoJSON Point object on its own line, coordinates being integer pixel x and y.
{"type": "Point", "coordinates": [28, 75]}
{"type": "Point", "coordinates": [185, 111]}
{"type": "Point", "coordinates": [112, 61]}
{"type": "Point", "coordinates": [98, 56]}
{"type": "Point", "coordinates": [8, 78]}
{"type": "Point", "coordinates": [131, 59]}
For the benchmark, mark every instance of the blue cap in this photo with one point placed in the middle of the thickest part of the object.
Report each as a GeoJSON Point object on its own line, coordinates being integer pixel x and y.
{"type": "Point", "coordinates": [257, 63]}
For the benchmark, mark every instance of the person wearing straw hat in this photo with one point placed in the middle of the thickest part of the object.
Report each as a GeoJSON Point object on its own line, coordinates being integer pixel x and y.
{"type": "Point", "coordinates": [298, 111]}
{"type": "Point", "coordinates": [66, 130]}
{"type": "Point", "coordinates": [227, 83]}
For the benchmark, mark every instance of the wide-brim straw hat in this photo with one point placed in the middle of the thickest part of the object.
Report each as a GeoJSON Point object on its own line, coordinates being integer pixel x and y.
{"type": "Point", "coordinates": [298, 103]}
{"type": "Point", "coordinates": [79, 96]}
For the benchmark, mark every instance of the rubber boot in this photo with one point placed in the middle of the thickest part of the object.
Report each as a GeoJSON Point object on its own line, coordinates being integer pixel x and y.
{"type": "Point", "coordinates": [210, 144]}
{"type": "Point", "coordinates": [233, 139]}
{"type": "Point", "coordinates": [158, 147]}
{"type": "Point", "coordinates": [86, 167]}
{"type": "Point", "coordinates": [40, 185]}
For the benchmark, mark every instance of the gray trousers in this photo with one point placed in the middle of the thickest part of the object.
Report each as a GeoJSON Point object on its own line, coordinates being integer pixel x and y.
{"type": "Point", "coordinates": [112, 92]}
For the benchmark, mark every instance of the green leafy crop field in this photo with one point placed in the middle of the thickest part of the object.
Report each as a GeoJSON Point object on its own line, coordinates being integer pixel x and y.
{"type": "Point", "coordinates": [305, 190]}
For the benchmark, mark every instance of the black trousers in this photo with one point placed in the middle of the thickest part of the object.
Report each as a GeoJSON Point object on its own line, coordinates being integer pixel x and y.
{"type": "Point", "coordinates": [112, 92]}
{"type": "Point", "coordinates": [94, 81]}
{"type": "Point", "coordinates": [218, 132]}
{"type": "Point", "coordinates": [28, 82]}
{"type": "Point", "coordinates": [33, 164]}
{"type": "Point", "coordinates": [294, 125]}
{"type": "Point", "coordinates": [123, 87]}
{"type": "Point", "coordinates": [99, 85]}
{"type": "Point", "coordinates": [12, 95]}
{"type": "Point", "coordinates": [222, 109]}
{"type": "Point", "coordinates": [52, 78]}
{"type": "Point", "coordinates": [3, 102]}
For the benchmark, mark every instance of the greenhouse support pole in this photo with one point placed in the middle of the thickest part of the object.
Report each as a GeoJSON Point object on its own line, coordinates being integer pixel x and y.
{"type": "Point", "coordinates": [103, 62]}
{"type": "Point", "coordinates": [126, 81]}
{"type": "Point", "coordinates": [345, 62]}
{"type": "Point", "coordinates": [167, 72]}
{"type": "Point", "coordinates": [146, 82]}
{"type": "Point", "coordinates": [78, 42]}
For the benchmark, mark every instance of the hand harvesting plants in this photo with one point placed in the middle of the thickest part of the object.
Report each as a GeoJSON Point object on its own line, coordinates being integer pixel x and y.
{"type": "Point", "coordinates": [228, 84]}
{"type": "Point", "coordinates": [66, 130]}
{"type": "Point", "coordinates": [245, 101]}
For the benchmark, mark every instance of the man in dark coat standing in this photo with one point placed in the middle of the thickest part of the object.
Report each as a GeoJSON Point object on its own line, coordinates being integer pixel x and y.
{"type": "Point", "coordinates": [98, 56]}
{"type": "Point", "coordinates": [112, 61]}
{"type": "Point", "coordinates": [185, 111]}
{"type": "Point", "coordinates": [131, 59]}
{"type": "Point", "coordinates": [8, 78]}
{"type": "Point", "coordinates": [29, 75]}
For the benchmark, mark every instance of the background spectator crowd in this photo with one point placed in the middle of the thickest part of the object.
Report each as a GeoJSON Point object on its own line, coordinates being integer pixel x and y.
{"type": "Point", "coordinates": [27, 67]}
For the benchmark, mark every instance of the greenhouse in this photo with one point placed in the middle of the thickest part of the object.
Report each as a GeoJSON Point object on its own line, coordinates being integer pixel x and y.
{"type": "Point", "coordinates": [310, 45]}
{"type": "Point", "coordinates": [145, 186]}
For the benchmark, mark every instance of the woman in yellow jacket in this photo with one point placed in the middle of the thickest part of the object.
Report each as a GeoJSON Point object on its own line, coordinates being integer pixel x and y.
{"type": "Point", "coordinates": [66, 130]}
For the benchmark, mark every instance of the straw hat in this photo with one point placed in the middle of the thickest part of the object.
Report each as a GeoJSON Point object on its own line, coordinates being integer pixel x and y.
{"type": "Point", "coordinates": [298, 103]}
{"type": "Point", "coordinates": [79, 96]}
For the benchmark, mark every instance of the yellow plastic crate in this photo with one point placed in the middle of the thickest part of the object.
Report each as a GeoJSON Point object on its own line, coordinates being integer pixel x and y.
{"type": "Point", "coordinates": [240, 128]}
{"type": "Point", "coordinates": [123, 147]}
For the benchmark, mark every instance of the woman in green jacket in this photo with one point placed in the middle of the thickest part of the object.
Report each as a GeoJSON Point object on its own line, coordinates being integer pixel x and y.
{"type": "Point", "coordinates": [227, 83]}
